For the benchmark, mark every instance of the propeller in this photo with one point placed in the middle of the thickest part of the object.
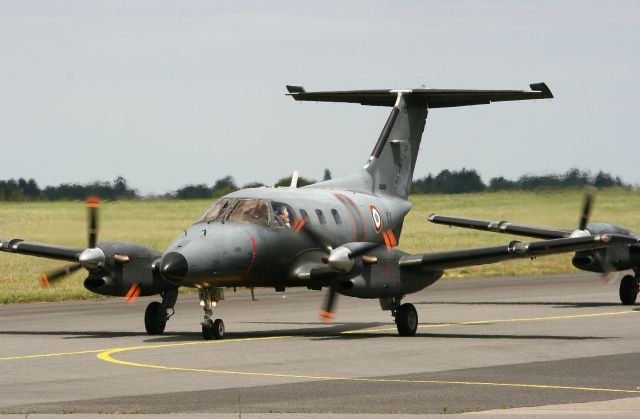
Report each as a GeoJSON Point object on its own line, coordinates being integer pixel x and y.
{"type": "Point", "coordinates": [91, 258]}
{"type": "Point", "coordinates": [342, 259]}
{"type": "Point", "coordinates": [609, 271]}
{"type": "Point", "coordinates": [584, 215]}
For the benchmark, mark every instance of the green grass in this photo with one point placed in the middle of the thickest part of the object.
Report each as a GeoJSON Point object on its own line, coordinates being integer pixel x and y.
{"type": "Point", "coordinates": [156, 223]}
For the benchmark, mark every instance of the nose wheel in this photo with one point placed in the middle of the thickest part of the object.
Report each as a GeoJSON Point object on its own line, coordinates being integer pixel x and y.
{"type": "Point", "coordinates": [209, 297]}
{"type": "Point", "coordinates": [212, 329]}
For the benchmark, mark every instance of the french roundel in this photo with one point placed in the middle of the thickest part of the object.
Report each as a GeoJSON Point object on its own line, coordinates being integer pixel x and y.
{"type": "Point", "coordinates": [375, 216]}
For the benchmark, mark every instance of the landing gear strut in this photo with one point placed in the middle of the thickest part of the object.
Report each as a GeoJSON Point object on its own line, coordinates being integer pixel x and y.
{"type": "Point", "coordinates": [629, 287]}
{"type": "Point", "coordinates": [209, 297]}
{"type": "Point", "coordinates": [406, 316]}
{"type": "Point", "coordinates": [157, 314]}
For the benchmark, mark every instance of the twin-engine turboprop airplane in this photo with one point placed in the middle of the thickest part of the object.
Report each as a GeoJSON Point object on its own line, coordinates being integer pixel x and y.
{"type": "Point", "coordinates": [340, 234]}
{"type": "Point", "coordinates": [607, 260]}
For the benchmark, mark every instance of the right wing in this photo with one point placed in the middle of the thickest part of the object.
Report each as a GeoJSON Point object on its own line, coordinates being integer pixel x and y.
{"type": "Point", "coordinates": [515, 250]}
{"type": "Point", "coordinates": [501, 227]}
{"type": "Point", "coordinates": [50, 251]}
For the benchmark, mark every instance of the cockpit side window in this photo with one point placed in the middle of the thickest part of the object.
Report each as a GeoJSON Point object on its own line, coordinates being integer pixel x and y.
{"type": "Point", "coordinates": [215, 211]}
{"type": "Point", "coordinates": [284, 214]}
{"type": "Point", "coordinates": [251, 211]}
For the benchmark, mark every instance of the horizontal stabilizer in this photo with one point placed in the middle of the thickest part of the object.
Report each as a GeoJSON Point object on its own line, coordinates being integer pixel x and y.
{"type": "Point", "coordinates": [514, 250]}
{"type": "Point", "coordinates": [432, 98]}
{"type": "Point", "coordinates": [500, 227]}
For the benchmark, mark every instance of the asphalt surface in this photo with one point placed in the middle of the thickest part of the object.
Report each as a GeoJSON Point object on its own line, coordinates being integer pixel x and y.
{"type": "Point", "coordinates": [482, 345]}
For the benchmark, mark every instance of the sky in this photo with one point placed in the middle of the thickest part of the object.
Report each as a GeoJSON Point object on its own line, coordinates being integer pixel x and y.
{"type": "Point", "coordinates": [169, 93]}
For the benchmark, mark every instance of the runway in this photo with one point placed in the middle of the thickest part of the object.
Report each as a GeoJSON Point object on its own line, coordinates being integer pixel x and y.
{"type": "Point", "coordinates": [482, 344]}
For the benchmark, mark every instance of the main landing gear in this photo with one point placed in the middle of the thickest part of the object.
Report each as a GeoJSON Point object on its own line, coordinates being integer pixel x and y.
{"type": "Point", "coordinates": [157, 314]}
{"type": "Point", "coordinates": [629, 287]}
{"type": "Point", "coordinates": [209, 297]}
{"type": "Point", "coordinates": [406, 316]}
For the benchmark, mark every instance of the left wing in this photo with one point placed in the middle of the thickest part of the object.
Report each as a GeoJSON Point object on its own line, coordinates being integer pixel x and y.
{"type": "Point", "coordinates": [501, 227]}
{"type": "Point", "coordinates": [484, 255]}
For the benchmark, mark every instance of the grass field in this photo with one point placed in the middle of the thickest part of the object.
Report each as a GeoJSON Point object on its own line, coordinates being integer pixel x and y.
{"type": "Point", "coordinates": [156, 223]}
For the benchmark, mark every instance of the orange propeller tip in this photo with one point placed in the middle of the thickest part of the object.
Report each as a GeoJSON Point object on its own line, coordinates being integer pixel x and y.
{"type": "Point", "coordinates": [44, 281]}
{"type": "Point", "coordinates": [93, 201]}
{"type": "Point", "coordinates": [326, 316]}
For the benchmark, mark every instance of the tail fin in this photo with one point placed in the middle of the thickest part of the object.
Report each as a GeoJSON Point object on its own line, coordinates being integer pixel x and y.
{"type": "Point", "coordinates": [390, 167]}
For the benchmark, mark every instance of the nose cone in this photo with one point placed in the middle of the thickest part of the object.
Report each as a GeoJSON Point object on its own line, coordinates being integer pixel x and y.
{"type": "Point", "coordinates": [174, 266]}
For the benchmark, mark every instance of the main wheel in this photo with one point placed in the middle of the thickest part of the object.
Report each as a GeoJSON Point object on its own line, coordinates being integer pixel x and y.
{"type": "Point", "coordinates": [407, 320]}
{"type": "Point", "coordinates": [155, 318]}
{"type": "Point", "coordinates": [213, 329]}
{"type": "Point", "coordinates": [628, 290]}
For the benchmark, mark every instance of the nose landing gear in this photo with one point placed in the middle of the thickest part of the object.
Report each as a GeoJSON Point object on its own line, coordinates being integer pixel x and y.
{"type": "Point", "coordinates": [209, 297]}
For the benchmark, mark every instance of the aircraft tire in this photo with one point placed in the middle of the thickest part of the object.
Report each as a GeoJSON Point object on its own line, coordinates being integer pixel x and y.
{"type": "Point", "coordinates": [407, 320]}
{"type": "Point", "coordinates": [155, 319]}
{"type": "Point", "coordinates": [213, 329]}
{"type": "Point", "coordinates": [628, 290]}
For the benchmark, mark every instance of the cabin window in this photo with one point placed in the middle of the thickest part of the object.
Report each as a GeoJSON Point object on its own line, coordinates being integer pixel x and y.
{"type": "Point", "coordinates": [215, 211]}
{"type": "Point", "coordinates": [252, 211]}
{"type": "Point", "coordinates": [336, 216]}
{"type": "Point", "coordinates": [304, 215]}
{"type": "Point", "coordinates": [321, 217]}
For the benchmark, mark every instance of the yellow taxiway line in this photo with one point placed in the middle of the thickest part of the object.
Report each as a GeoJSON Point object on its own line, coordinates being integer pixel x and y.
{"type": "Point", "coordinates": [106, 355]}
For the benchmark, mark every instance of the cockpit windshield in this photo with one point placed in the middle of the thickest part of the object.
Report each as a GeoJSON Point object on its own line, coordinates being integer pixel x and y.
{"type": "Point", "coordinates": [215, 211]}
{"type": "Point", "coordinates": [255, 211]}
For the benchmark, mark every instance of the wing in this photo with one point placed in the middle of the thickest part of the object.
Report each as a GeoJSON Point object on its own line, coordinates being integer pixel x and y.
{"type": "Point", "coordinates": [50, 251]}
{"type": "Point", "coordinates": [434, 98]}
{"type": "Point", "coordinates": [501, 227]}
{"type": "Point", "coordinates": [514, 250]}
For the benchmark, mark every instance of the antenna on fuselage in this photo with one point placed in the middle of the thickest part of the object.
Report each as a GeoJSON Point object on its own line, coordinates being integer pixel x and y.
{"type": "Point", "coordinates": [294, 179]}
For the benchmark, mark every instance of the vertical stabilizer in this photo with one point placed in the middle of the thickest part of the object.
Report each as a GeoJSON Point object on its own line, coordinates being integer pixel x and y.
{"type": "Point", "coordinates": [394, 156]}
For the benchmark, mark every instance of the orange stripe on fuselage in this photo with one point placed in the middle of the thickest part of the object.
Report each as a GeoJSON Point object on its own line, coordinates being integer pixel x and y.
{"type": "Point", "coordinates": [353, 220]}
{"type": "Point", "coordinates": [364, 228]}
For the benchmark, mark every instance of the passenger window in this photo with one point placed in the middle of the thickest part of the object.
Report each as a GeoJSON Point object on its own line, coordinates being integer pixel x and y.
{"type": "Point", "coordinates": [321, 217]}
{"type": "Point", "coordinates": [251, 211]}
{"type": "Point", "coordinates": [336, 216]}
{"type": "Point", "coordinates": [304, 215]}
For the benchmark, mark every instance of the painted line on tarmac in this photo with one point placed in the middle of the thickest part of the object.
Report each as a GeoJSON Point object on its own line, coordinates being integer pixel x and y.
{"type": "Point", "coordinates": [107, 357]}
{"type": "Point", "coordinates": [162, 345]}
{"type": "Point", "coordinates": [481, 322]}
{"type": "Point", "coordinates": [363, 331]}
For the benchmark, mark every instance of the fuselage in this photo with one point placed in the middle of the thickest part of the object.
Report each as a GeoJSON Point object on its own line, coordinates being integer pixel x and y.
{"type": "Point", "coordinates": [262, 236]}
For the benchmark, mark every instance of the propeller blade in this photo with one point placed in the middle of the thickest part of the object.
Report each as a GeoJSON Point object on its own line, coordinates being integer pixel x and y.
{"type": "Point", "coordinates": [93, 203]}
{"type": "Point", "coordinates": [50, 278]}
{"type": "Point", "coordinates": [327, 314]}
{"type": "Point", "coordinates": [133, 294]}
{"type": "Point", "coordinates": [586, 209]}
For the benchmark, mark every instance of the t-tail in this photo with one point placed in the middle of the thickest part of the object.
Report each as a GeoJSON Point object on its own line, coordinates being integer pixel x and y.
{"type": "Point", "coordinates": [389, 169]}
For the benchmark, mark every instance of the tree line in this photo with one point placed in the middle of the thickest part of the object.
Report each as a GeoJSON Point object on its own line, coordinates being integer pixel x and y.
{"type": "Point", "coordinates": [446, 182]}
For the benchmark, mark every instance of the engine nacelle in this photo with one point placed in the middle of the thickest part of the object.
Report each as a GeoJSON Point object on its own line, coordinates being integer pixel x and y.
{"type": "Point", "coordinates": [385, 278]}
{"type": "Point", "coordinates": [617, 258]}
{"type": "Point", "coordinates": [126, 264]}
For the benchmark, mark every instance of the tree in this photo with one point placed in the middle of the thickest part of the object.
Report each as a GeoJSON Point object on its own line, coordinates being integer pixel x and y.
{"type": "Point", "coordinates": [327, 175]}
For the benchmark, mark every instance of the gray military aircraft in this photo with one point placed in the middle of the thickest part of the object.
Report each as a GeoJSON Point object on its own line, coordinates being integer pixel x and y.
{"type": "Point", "coordinates": [341, 234]}
{"type": "Point", "coordinates": [608, 260]}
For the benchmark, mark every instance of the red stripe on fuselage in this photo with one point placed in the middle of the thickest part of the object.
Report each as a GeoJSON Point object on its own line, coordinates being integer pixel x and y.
{"type": "Point", "coordinates": [253, 254]}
